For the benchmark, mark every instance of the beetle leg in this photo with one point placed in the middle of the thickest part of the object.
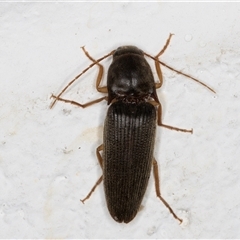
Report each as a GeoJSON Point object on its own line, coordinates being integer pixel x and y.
{"type": "Point", "coordinates": [100, 72]}
{"type": "Point", "coordinates": [79, 75]}
{"type": "Point", "coordinates": [79, 104]}
{"type": "Point", "coordinates": [157, 63]}
{"type": "Point", "coordinates": [100, 160]}
{"type": "Point", "coordinates": [157, 188]}
{"type": "Point", "coordinates": [92, 190]}
{"type": "Point", "coordinates": [159, 111]}
{"type": "Point", "coordinates": [99, 157]}
{"type": "Point", "coordinates": [159, 72]}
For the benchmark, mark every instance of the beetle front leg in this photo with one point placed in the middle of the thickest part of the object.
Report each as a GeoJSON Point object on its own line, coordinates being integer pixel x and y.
{"type": "Point", "coordinates": [100, 72]}
{"type": "Point", "coordinates": [157, 188]}
{"type": "Point", "coordinates": [100, 160]}
{"type": "Point", "coordinates": [158, 68]}
{"type": "Point", "coordinates": [103, 89]}
{"type": "Point", "coordinates": [157, 63]}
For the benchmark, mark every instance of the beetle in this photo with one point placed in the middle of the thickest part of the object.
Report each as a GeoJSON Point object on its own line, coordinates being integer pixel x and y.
{"type": "Point", "coordinates": [129, 128]}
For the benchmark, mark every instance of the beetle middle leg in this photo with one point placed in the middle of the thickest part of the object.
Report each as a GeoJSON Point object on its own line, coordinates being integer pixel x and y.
{"type": "Point", "coordinates": [159, 117]}
{"type": "Point", "coordinates": [100, 160]}
{"type": "Point", "coordinates": [167, 126]}
{"type": "Point", "coordinates": [80, 104]}
{"type": "Point", "coordinates": [157, 188]}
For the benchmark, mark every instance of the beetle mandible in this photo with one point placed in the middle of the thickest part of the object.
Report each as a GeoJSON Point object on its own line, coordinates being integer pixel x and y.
{"type": "Point", "coordinates": [129, 128]}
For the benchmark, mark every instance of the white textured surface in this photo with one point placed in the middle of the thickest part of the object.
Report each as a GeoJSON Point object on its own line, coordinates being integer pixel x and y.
{"type": "Point", "coordinates": [47, 157]}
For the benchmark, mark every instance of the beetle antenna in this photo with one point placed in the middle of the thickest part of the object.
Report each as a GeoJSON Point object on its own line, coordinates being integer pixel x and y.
{"type": "Point", "coordinates": [79, 75]}
{"type": "Point", "coordinates": [179, 72]}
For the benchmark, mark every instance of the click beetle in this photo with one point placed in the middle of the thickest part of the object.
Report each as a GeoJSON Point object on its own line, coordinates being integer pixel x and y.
{"type": "Point", "coordinates": [129, 128]}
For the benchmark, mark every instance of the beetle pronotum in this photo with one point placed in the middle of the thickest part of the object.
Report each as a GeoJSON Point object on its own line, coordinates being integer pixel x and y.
{"type": "Point", "coordinates": [129, 129]}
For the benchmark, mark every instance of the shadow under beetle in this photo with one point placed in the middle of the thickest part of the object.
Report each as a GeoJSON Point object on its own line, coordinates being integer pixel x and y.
{"type": "Point", "coordinates": [129, 128]}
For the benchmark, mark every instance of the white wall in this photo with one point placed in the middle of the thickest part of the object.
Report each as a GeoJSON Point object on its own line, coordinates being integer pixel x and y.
{"type": "Point", "coordinates": [47, 156]}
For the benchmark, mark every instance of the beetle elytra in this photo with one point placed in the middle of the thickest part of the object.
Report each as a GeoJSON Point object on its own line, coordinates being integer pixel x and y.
{"type": "Point", "coordinates": [129, 128]}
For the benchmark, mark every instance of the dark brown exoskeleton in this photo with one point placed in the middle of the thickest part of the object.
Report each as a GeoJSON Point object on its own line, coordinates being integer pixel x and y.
{"type": "Point", "coordinates": [129, 129]}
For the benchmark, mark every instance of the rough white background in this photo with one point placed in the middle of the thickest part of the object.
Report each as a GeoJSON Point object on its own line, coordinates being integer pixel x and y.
{"type": "Point", "coordinates": [47, 156]}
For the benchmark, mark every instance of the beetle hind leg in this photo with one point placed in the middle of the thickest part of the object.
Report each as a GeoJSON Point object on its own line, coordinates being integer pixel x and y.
{"type": "Point", "coordinates": [100, 160]}
{"type": "Point", "coordinates": [92, 190]}
{"type": "Point", "coordinates": [157, 188]}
